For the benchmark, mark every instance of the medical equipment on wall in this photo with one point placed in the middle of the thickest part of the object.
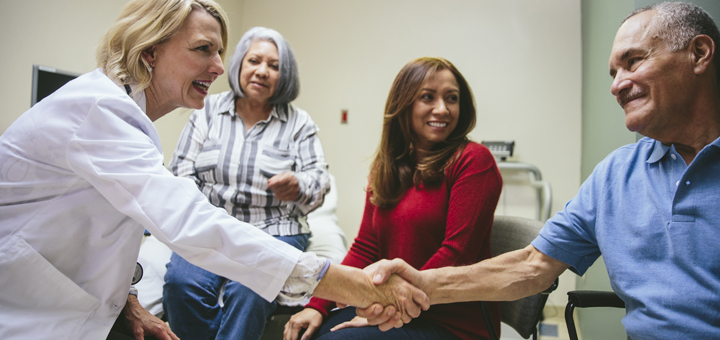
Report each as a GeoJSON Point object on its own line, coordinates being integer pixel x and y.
{"type": "Point", "coordinates": [519, 173]}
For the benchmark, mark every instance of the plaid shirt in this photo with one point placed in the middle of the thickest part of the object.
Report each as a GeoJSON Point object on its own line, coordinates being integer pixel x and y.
{"type": "Point", "coordinates": [232, 167]}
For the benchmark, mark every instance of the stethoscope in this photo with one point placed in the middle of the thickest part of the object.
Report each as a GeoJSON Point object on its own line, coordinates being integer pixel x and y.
{"type": "Point", "coordinates": [138, 274]}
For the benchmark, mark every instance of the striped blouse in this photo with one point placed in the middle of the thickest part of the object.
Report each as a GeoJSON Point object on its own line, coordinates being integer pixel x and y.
{"type": "Point", "coordinates": [232, 167]}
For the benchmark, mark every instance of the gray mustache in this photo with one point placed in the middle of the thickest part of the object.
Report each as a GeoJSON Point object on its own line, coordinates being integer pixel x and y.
{"type": "Point", "coordinates": [623, 98]}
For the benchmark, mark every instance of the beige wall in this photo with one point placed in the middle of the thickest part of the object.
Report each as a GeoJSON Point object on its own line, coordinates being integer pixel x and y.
{"type": "Point", "coordinates": [522, 59]}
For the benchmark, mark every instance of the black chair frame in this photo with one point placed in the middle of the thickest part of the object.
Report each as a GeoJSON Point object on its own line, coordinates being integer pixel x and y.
{"type": "Point", "coordinates": [588, 298]}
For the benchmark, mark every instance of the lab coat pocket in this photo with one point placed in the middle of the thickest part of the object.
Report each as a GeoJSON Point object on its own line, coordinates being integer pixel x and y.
{"type": "Point", "coordinates": [207, 161]}
{"type": "Point", "coordinates": [38, 300]}
{"type": "Point", "coordinates": [274, 161]}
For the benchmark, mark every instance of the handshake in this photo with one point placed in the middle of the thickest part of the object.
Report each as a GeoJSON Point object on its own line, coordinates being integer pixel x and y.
{"type": "Point", "coordinates": [388, 293]}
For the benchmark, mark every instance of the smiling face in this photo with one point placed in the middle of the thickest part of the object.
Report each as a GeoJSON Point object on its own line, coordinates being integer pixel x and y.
{"type": "Point", "coordinates": [185, 65]}
{"type": "Point", "coordinates": [435, 112]}
{"type": "Point", "coordinates": [259, 72]}
{"type": "Point", "coordinates": [651, 83]}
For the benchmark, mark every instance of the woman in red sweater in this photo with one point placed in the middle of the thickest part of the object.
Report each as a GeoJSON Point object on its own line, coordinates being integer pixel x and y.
{"type": "Point", "coordinates": [431, 200]}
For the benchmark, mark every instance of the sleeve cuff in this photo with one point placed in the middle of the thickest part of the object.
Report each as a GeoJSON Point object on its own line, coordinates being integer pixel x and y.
{"type": "Point", "coordinates": [306, 275]}
{"type": "Point", "coordinates": [579, 265]}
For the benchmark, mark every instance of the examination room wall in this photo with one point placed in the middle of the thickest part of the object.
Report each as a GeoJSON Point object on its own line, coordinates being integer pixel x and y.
{"type": "Point", "coordinates": [522, 59]}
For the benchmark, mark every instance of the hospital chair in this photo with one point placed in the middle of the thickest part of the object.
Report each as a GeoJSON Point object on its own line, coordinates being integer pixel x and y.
{"type": "Point", "coordinates": [523, 315]}
{"type": "Point", "coordinates": [327, 240]}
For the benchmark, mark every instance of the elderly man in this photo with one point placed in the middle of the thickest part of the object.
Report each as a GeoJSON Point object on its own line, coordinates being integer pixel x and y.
{"type": "Point", "coordinates": [652, 209]}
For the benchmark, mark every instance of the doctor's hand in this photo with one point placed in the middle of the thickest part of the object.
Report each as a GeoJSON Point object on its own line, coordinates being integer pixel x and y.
{"type": "Point", "coordinates": [285, 186]}
{"type": "Point", "coordinates": [308, 319]}
{"type": "Point", "coordinates": [407, 301]}
{"type": "Point", "coordinates": [142, 323]}
{"type": "Point", "coordinates": [381, 271]}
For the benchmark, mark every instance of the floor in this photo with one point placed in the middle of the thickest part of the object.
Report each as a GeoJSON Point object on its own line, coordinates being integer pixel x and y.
{"type": "Point", "coordinates": [551, 328]}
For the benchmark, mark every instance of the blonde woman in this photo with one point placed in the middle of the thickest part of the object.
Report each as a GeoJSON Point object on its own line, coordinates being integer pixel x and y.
{"type": "Point", "coordinates": [82, 176]}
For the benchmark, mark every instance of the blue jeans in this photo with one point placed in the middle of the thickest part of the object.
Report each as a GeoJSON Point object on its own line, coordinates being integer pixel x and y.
{"type": "Point", "coordinates": [415, 330]}
{"type": "Point", "coordinates": [190, 301]}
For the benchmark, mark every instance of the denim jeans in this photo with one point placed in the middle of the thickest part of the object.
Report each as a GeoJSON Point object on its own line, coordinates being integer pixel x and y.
{"type": "Point", "coordinates": [190, 301]}
{"type": "Point", "coordinates": [417, 329]}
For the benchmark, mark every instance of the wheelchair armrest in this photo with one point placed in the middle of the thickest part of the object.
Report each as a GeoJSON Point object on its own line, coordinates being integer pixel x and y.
{"type": "Point", "coordinates": [593, 298]}
{"type": "Point", "coordinates": [588, 298]}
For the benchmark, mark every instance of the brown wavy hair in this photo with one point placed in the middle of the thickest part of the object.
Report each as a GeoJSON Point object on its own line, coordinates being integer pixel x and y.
{"type": "Point", "coordinates": [395, 168]}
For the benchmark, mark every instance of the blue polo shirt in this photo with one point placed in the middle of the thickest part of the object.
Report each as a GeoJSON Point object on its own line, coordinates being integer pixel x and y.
{"type": "Point", "coordinates": [656, 221]}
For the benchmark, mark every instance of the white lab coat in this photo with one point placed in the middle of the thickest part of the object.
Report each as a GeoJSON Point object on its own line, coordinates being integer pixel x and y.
{"type": "Point", "coordinates": [81, 176]}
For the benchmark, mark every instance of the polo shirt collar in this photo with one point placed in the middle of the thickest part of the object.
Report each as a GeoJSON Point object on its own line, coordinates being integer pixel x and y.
{"type": "Point", "coordinates": [716, 143]}
{"type": "Point", "coordinates": [659, 150]}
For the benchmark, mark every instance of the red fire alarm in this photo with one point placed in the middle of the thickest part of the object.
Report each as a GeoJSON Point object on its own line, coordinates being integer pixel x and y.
{"type": "Point", "coordinates": [343, 118]}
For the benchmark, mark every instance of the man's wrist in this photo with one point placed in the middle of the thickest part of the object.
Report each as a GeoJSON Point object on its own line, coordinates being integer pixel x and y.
{"type": "Point", "coordinates": [442, 285]}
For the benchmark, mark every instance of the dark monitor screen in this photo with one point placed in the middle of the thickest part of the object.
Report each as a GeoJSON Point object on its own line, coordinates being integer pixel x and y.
{"type": "Point", "coordinates": [46, 80]}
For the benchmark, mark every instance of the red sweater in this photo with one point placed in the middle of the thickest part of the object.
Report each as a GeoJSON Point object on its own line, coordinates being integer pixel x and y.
{"type": "Point", "coordinates": [447, 224]}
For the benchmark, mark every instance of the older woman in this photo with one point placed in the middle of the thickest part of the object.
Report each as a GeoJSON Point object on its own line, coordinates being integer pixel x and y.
{"type": "Point", "coordinates": [431, 201]}
{"type": "Point", "coordinates": [256, 155]}
{"type": "Point", "coordinates": [81, 177]}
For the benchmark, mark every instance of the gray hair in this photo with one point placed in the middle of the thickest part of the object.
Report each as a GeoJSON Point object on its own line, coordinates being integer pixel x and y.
{"type": "Point", "coordinates": [288, 85]}
{"type": "Point", "coordinates": [678, 23]}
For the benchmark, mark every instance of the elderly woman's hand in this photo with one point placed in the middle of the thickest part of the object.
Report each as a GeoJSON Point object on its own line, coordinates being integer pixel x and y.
{"type": "Point", "coordinates": [285, 186]}
{"type": "Point", "coordinates": [142, 323]}
{"type": "Point", "coordinates": [308, 319]}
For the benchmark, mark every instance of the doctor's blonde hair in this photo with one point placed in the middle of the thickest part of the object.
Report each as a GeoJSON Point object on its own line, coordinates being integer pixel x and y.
{"type": "Point", "coordinates": [141, 25]}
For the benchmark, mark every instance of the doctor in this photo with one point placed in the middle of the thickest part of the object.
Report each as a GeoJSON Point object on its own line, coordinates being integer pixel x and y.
{"type": "Point", "coordinates": [81, 177]}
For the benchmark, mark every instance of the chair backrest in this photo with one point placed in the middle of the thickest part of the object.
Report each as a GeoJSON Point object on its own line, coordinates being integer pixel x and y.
{"type": "Point", "coordinates": [508, 234]}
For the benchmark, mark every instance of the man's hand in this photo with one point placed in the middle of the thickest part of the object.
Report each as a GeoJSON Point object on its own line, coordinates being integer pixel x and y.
{"type": "Point", "coordinates": [285, 186]}
{"type": "Point", "coordinates": [308, 319]}
{"type": "Point", "coordinates": [381, 271]}
{"type": "Point", "coordinates": [142, 323]}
